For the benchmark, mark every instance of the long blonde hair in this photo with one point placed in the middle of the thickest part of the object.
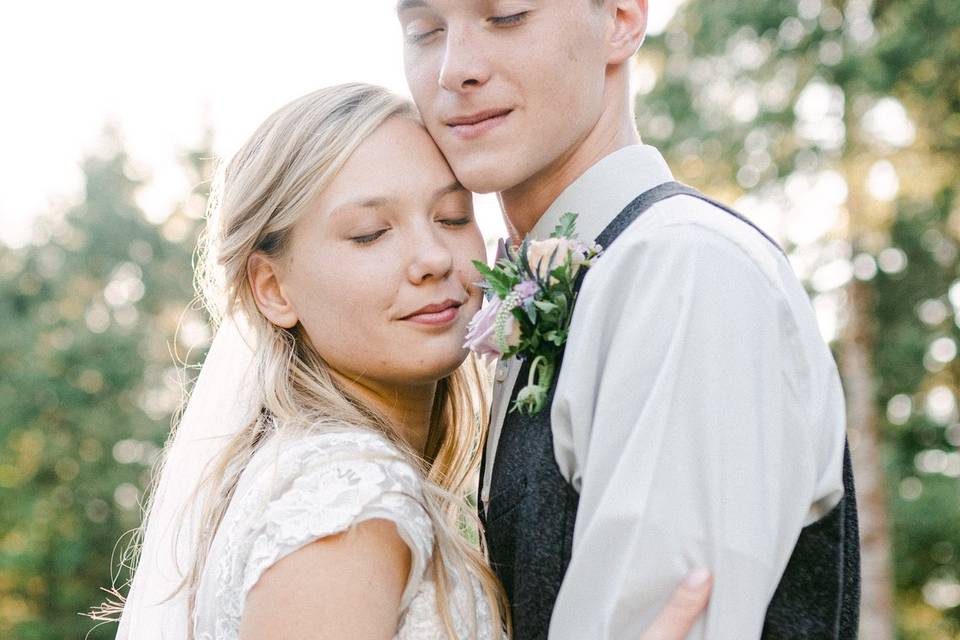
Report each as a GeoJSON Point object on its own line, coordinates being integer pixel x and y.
{"type": "Point", "coordinates": [256, 200]}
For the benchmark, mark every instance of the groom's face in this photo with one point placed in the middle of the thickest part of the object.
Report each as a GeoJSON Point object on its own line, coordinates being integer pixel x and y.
{"type": "Point", "coordinates": [507, 88]}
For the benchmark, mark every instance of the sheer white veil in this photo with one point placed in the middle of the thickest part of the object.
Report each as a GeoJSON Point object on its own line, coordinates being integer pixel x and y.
{"type": "Point", "coordinates": [220, 405]}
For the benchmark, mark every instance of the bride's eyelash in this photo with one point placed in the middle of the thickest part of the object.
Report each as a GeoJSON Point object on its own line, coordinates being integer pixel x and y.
{"type": "Point", "coordinates": [507, 21]}
{"type": "Point", "coordinates": [369, 237]}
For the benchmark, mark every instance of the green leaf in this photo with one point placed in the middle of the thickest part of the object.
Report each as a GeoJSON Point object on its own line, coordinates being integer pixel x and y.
{"type": "Point", "coordinates": [523, 265]}
{"type": "Point", "coordinates": [546, 307]}
{"type": "Point", "coordinates": [567, 228]}
{"type": "Point", "coordinates": [482, 267]}
{"type": "Point", "coordinates": [500, 282]}
{"type": "Point", "coordinates": [562, 275]}
{"type": "Point", "coordinates": [531, 310]}
{"type": "Point", "coordinates": [509, 268]}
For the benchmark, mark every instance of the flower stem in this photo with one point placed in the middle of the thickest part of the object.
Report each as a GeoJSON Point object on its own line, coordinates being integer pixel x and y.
{"type": "Point", "coordinates": [533, 370]}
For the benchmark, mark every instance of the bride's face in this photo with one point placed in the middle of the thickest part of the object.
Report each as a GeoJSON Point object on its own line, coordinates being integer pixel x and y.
{"type": "Point", "coordinates": [378, 271]}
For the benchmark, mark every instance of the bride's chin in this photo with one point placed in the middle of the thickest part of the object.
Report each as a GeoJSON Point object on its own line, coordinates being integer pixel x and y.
{"type": "Point", "coordinates": [439, 369]}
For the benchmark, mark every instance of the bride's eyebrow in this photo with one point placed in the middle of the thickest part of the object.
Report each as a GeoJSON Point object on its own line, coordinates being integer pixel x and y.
{"type": "Point", "coordinates": [366, 203]}
{"type": "Point", "coordinates": [381, 202]}
{"type": "Point", "coordinates": [450, 188]}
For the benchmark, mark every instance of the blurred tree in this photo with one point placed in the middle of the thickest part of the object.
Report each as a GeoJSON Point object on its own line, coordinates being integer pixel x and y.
{"type": "Point", "coordinates": [840, 121]}
{"type": "Point", "coordinates": [88, 317]}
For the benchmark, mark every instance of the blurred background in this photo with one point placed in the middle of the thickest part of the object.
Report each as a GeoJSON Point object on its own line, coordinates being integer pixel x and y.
{"type": "Point", "coordinates": [834, 124]}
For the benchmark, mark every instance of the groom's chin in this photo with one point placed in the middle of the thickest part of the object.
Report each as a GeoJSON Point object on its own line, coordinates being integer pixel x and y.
{"type": "Point", "coordinates": [486, 175]}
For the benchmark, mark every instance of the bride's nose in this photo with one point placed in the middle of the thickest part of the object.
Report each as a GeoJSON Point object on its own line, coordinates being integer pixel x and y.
{"type": "Point", "coordinates": [428, 257]}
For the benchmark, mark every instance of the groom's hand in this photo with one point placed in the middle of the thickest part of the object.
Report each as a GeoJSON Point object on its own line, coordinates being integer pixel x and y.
{"type": "Point", "coordinates": [682, 610]}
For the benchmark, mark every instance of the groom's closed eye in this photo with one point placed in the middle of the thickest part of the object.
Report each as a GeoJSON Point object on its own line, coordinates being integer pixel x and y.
{"type": "Point", "coordinates": [416, 35]}
{"type": "Point", "coordinates": [419, 26]}
{"type": "Point", "coordinates": [416, 31]}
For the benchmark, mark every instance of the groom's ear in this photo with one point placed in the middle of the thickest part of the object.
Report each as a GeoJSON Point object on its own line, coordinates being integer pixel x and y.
{"type": "Point", "coordinates": [629, 28]}
{"type": "Point", "coordinates": [264, 278]}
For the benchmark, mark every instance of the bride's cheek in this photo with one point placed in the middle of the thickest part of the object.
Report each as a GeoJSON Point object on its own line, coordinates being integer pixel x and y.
{"type": "Point", "coordinates": [469, 274]}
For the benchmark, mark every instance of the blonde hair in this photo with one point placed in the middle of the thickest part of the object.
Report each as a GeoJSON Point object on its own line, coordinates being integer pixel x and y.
{"type": "Point", "coordinates": [256, 200]}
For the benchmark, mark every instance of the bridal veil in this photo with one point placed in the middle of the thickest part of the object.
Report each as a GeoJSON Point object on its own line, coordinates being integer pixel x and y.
{"type": "Point", "coordinates": [220, 404]}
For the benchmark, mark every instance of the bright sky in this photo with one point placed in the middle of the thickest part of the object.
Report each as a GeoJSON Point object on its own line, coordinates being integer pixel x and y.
{"type": "Point", "coordinates": [161, 71]}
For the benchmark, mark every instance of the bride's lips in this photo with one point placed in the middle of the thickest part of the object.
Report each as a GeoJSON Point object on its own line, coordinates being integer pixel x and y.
{"type": "Point", "coordinates": [475, 125]}
{"type": "Point", "coordinates": [439, 314]}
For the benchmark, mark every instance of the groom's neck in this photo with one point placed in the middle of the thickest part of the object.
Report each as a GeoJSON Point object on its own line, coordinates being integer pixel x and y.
{"type": "Point", "coordinates": [524, 204]}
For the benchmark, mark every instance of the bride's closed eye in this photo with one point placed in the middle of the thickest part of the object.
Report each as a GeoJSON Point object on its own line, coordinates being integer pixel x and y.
{"type": "Point", "coordinates": [509, 20]}
{"type": "Point", "coordinates": [367, 238]}
{"type": "Point", "coordinates": [456, 222]}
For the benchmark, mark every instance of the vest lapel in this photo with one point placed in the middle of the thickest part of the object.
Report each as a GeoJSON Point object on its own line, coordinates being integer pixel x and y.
{"type": "Point", "coordinates": [505, 378]}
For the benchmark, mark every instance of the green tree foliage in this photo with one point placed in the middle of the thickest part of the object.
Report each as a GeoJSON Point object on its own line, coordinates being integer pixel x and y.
{"type": "Point", "coordinates": [88, 319]}
{"type": "Point", "coordinates": [802, 107]}
{"type": "Point", "coordinates": [917, 371]}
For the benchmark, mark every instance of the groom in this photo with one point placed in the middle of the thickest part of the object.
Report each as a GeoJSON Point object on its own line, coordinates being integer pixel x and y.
{"type": "Point", "coordinates": [697, 418]}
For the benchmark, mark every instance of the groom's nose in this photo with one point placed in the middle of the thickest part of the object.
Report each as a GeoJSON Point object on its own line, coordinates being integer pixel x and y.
{"type": "Point", "coordinates": [464, 65]}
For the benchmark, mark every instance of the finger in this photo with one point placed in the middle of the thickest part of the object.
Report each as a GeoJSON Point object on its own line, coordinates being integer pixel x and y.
{"type": "Point", "coordinates": [686, 604]}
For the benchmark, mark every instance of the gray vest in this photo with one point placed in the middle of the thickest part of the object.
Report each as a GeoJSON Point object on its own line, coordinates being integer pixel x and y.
{"type": "Point", "coordinates": [533, 509]}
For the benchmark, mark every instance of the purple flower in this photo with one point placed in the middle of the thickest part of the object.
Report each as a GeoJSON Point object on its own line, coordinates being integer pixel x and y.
{"type": "Point", "coordinates": [526, 290]}
{"type": "Point", "coordinates": [482, 336]}
{"type": "Point", "coordinates": [481, 332]}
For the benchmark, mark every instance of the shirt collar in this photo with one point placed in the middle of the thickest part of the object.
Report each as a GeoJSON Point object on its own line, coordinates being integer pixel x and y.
{"type": "Point", "coordinates": [605, 189]}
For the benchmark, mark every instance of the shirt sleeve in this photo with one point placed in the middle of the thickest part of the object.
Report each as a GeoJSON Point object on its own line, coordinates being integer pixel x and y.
{"type": "Point", "coordinates": [678, 417]}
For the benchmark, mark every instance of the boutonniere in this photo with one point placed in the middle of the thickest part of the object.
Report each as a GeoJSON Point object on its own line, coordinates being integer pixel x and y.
{"type": "Point", "coordinates": [530, 296]}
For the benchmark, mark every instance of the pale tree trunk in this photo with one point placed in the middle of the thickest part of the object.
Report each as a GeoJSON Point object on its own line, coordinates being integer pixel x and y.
{"type": "Point", "coordinates": [877, 621]}
{"type": "Point", "coordinates": [856, 361]}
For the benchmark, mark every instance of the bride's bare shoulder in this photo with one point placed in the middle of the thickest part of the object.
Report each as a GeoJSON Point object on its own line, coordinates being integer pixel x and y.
{"type": "Point", "coordinates": [361, 574]}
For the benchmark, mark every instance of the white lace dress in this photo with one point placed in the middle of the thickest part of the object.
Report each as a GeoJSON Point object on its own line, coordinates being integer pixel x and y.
{"type": "Point", "coordinates": [293, 493]}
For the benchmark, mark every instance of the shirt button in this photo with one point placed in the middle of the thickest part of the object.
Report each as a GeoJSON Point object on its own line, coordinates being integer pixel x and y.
{"type": "Point", "coordinates": [501, 374]}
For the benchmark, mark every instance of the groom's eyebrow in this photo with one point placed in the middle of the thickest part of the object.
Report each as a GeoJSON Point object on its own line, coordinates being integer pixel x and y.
{"type": "Point", "coordinates": [407, 5]}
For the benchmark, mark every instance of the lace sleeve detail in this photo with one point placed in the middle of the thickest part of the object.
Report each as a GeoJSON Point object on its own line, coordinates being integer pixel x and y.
{"type": "Point", "coordinates": [324, 485]}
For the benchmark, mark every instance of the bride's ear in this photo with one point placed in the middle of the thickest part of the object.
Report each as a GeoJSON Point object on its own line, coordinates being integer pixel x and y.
{"type": "Point", "coordinates": [264, 278]}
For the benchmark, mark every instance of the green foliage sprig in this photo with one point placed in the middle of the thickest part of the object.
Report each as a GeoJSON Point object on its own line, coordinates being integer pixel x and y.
{"type": "Point", "coordinates": [531, 293]}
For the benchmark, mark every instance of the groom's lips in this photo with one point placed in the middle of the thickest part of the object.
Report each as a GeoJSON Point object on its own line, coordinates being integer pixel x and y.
{"type": "Point", "coordinates": [475, 125]}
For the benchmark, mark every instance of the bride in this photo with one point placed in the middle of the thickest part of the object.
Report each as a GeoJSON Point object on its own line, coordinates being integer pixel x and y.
{"type": "Point", "coordinates": [316, 484]}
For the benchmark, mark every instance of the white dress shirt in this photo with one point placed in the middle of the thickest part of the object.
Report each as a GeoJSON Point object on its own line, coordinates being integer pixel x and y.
{"type": "Point", "coordinates": [698, 412]}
